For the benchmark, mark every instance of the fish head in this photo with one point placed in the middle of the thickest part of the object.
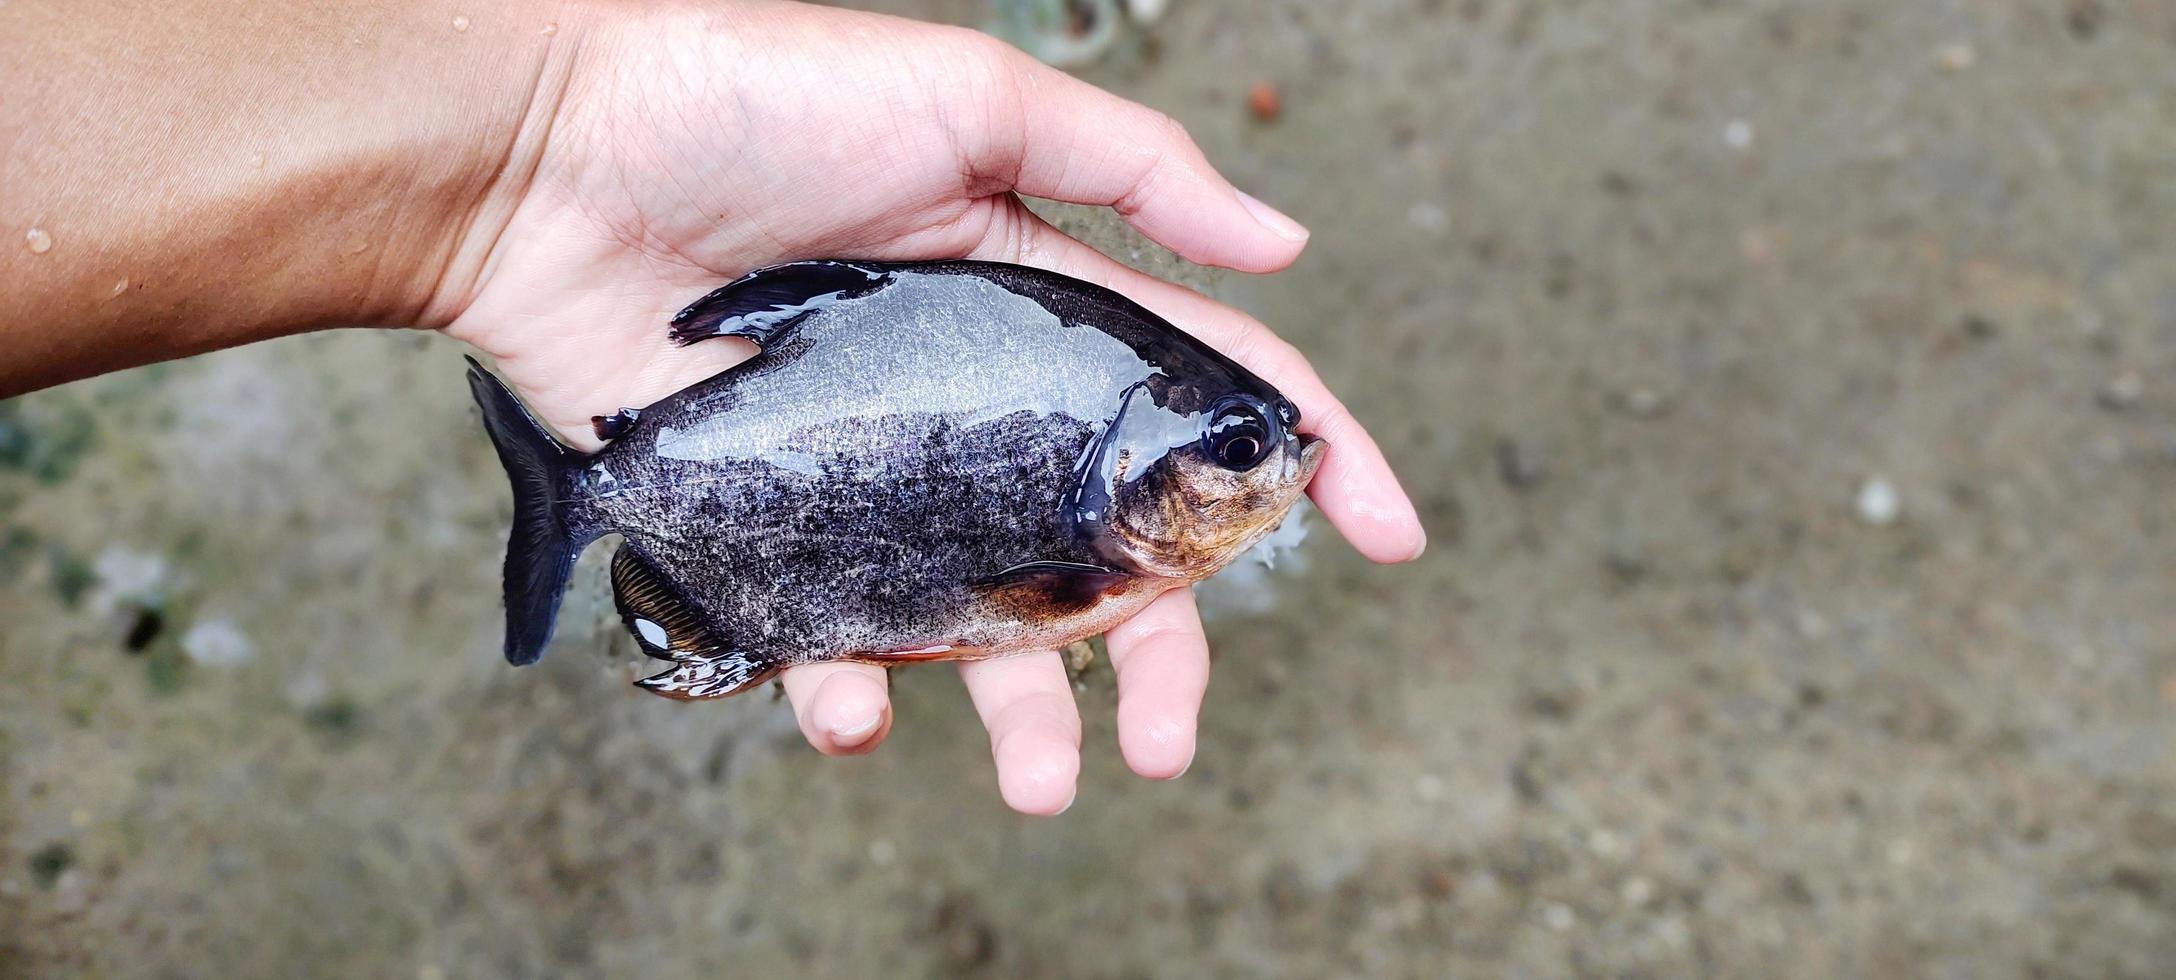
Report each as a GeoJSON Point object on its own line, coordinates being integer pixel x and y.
{"type": "Point", "coordinates": [1190, 480]}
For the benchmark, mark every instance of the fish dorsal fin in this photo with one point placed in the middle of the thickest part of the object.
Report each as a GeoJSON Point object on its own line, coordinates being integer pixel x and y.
{"type": "Point", "coordinates": [615, 425]}
{"type": "Point", "coordinates": [663, 622]}
{"type": "Point", "coordinates": [762, 305]}
{"type": "Point", "coordinates": [1052, 587]}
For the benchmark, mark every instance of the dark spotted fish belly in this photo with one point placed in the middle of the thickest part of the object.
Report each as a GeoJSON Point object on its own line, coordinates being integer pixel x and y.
{"type": "Point", "coordinates": [864, 560]}
{"type": "Point", "coordinates": [858, 504]}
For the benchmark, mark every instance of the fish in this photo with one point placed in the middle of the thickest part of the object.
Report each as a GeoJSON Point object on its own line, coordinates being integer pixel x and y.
{"type": "Point", "coordinates": [945, 460]}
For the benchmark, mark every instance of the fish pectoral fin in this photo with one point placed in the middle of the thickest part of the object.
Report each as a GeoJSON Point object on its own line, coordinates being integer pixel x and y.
{"type": "Point", "coordinates": [1052, 587]}
{"type": "Point", "coordinates": [661, 619]}
{"type": "Point", "coordinates": [915, 655]}
{"type": "Point", "coordinates": [762, 305]}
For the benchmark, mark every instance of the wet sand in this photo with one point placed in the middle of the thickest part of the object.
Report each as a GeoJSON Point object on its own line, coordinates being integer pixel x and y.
{"type": "Point", "coordinates": [1791, 393]}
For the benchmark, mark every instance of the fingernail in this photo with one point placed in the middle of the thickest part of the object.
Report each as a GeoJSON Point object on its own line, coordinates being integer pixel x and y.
{"type": "Point", "coordinates": [1421, 548]}
{"type": "Point", "coordinates": [1276, 221]}
{"type": "Point", "coordinates": [855, 732]}
{"type": "Point", "coordinates": [1068, 802]}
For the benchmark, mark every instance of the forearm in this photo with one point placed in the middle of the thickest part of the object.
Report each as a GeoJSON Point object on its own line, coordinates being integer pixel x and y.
{"type": "Point", "coordinates": [178, 178]}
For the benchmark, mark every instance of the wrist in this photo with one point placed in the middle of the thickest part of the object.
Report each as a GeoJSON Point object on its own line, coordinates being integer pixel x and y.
{"type": "Point", "coordinates": [478, 157]}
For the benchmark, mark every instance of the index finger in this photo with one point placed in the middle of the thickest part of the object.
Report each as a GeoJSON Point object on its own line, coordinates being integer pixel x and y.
{"type": "Point", "coordinates": [1051, 135]}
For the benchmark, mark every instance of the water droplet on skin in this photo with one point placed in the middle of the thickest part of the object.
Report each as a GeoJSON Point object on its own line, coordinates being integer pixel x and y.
{"type": "Point", "coordinates": [358, 247]}
{"type": "Point", "coordinates": [550, 29]}
{"type": "Point", "coordinates": [38, 241]}
{"type": "Point", "coordinates": [256, 160]}
{"type": "Point", "coordinates": [120, 287]}
{"type": "Point", "coordinates": [460, 22]}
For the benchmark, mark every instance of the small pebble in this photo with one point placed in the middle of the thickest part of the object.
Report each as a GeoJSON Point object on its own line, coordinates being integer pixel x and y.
{"type": "Point", "coordinates": [1079, 656]}
{"type": "Point", "coordinates": [1263, 102]}
{"type": "Point", "coordinates": [1877, 502]}
{"type": "Point", "coordinates": [460, 23]}
{"type": "Point", "coordinates": [1955, 57]}
{"type": "Point", "coordinates": [882, 852]}
{"type": "Point", "coordinates": [1430, 218]}
{"type": "Point", "coordinates": [72, 893]}
{"type": "Point", "coordinates": [1557, 916]}
{"type": "Point", "coordinates": [307, 688]}
{"type": "Point", "coordinates": [1738, 134]}
{"type": "Point", "coordinates": [1645, 403]}
{"type": "Point", "coordinates": [1605, 844]}
{"type": "Point", "coordinates": [2083, 17]}
{"type": "Point", "coordinates": [1520, 464]}
{"type": "Point", "coordinates": [38, 241]}
{"type": "Point", "coordinates": [1636, 891]}
{"type": "Point", "coordinates": [127, 578]}
{"type": "Point", "coordinates": [2122, 392]}
{"type": "Point", "coordinates": [216, 643]}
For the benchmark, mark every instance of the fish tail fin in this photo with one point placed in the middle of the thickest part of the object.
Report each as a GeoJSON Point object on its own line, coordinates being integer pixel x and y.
{"type": "Point", "coordinates": [540, 553]}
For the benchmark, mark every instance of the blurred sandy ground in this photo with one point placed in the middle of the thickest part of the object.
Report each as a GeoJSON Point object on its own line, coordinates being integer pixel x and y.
{"type": "Point", "coordinates": [1790, 388]}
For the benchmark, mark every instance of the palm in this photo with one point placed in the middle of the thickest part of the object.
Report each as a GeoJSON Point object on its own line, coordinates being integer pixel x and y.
{"type": "Point", "coordinates": [680, 184]}
{"type": "Point", "coordinates": [687, 154]}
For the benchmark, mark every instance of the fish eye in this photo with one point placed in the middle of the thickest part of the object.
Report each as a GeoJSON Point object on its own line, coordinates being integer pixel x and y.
{"type": "Point", "coordinates": [1237, 436]}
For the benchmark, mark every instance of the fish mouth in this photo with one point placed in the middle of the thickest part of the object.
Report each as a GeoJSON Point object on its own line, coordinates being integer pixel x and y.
{"type": "Point", "coordinates": [1312, 449]}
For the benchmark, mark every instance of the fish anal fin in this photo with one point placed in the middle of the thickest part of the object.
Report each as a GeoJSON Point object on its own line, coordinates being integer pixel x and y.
{"type": "Point", "coordinates": [702, 678]}
{"type": "Point", "coordinates": [1048, 589]}
{"type": "Point", "coordinates": [763, 305]}
{"type": "Point", "coordinates": [656, 612]}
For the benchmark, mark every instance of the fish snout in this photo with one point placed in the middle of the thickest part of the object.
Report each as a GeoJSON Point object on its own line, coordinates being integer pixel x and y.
{"type": "Point", "coordinates": [1312, 449]}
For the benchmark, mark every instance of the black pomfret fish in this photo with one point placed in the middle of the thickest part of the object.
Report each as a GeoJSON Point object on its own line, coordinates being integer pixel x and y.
{"type": "Point", "coordinates": [926, 461]}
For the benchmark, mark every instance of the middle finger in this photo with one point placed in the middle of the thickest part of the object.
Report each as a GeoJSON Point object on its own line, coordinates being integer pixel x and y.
{"type": "Point", "coordinates": [1027, 704]}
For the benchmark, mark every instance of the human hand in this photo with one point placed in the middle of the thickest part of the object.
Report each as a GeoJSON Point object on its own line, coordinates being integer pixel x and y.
{"type": "Point", "coordinates": [673, 148]}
